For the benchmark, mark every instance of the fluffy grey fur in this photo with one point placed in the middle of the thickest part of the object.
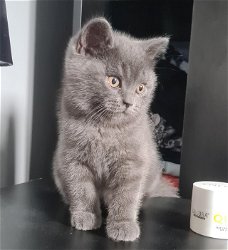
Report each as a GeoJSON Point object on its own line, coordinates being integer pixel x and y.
{"type": "Point", "coordinates": [105, 146]}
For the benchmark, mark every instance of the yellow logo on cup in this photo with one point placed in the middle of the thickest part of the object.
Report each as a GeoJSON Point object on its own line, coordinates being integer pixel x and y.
{"type": "Point", "coordinates": [220, 219]}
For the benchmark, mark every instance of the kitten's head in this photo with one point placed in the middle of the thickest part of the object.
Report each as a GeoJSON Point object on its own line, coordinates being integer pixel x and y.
{"type": "Point", "coordinates": [109, 76]}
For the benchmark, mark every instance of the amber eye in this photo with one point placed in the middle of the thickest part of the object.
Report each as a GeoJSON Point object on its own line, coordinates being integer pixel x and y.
{"type": "Point", "coordinates": [113, 81]}
{"type": "Point", "coordinates": [140, 89]}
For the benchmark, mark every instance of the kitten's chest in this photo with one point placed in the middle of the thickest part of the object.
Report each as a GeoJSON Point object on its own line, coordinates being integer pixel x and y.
{"type": "Point", "coordinates": [107, 147]}
{"type": "Point", "coordinates": [106, 150]}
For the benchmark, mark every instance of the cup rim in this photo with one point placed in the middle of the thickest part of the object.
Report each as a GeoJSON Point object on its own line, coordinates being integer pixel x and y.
{"type": "Point", "coordinates": [212, 185]}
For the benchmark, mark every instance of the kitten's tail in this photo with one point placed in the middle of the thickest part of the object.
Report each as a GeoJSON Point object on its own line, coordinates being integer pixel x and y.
{"type": "Point", "coordinates": [163, 188]}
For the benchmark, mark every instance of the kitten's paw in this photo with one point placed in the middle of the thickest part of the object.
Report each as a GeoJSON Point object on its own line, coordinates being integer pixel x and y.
{"type": "Point", "coordinates": [85, 220]}
{"type": "Point", "coordinates": [123, 231]}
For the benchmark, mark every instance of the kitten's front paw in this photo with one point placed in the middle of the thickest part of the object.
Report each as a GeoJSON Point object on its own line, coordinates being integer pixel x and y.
{"type": "Point", "coordinates": [85, 220]}
{"type": "Point", "coordinates": [123, 231]}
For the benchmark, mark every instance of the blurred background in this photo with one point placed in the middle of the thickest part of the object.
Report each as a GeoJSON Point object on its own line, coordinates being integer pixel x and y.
{"type": "Point", "coordinates": [192, 91]}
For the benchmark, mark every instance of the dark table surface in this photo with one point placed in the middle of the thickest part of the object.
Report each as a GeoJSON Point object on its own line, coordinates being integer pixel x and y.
{"type": "Point", "coordinates": [34, 217]}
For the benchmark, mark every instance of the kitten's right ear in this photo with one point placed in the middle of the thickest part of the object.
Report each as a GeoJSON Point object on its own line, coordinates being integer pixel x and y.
{"type": "Point", "coordinates": [96, 36]}
{"type": "Point", "coordinates": [156, 46]}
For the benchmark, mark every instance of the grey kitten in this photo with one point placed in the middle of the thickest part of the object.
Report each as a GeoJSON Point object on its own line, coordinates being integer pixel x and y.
{"type": "Point", "coordinates": [106, 149]}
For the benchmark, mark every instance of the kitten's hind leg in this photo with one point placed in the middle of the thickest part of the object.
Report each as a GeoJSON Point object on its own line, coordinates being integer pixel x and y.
{"type": "Point", "coordinates": [57, 178]}
{"type": "Point", "coordinates": [59, 185]}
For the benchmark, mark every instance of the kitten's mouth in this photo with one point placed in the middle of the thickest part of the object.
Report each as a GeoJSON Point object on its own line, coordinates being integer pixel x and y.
{"type": "Point", "coordinates": [122, 110]}
{"type": "Point", "coordinates": [119, 110]}
{"type": "Point", "coordinates": [125, 110]}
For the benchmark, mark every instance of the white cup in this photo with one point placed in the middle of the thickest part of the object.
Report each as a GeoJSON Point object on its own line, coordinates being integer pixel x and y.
{"type": "Point", "coordinates": [209, 209]}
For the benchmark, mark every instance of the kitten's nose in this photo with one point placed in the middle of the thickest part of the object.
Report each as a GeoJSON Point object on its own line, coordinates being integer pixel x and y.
{"type": "Point", "coordinates": [127, 104]}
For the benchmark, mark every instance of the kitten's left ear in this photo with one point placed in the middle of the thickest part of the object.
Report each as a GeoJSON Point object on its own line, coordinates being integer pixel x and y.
{"type": "Point", "coordinates": [95, 37]}
{"type": "Point", "coordinates": [156, 47]}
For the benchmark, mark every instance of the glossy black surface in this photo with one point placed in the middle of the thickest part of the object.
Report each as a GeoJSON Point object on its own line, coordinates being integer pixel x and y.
{"type": "Point", "coordinates": [33, 217]}
{"type": "Point", "coordinates": [205, 141]}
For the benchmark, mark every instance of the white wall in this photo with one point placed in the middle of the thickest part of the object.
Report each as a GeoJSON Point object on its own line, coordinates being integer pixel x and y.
{"type": "Point", "coordinates": [17, 94]}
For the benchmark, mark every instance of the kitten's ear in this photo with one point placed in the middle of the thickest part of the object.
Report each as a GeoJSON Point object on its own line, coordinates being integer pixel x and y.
{"type": "Point", "coordinates": [156, 47]}
{"type": "Point", "coordinates": [96, 36]}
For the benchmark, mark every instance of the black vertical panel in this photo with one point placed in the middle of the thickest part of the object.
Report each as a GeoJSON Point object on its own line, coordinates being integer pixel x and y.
{"type": "Point", "coordinates": [144, 18]}
{"type": "Point", "coordinates": [53, 30]}
{"type": "Point", "coordinates": [94, 8]}
{"type": "Point", "coordinates": [205, 150]}
{"type": "Point", "coordinates": [5, 49]}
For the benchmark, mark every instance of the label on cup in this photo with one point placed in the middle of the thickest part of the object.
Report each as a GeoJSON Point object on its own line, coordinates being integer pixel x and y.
{"type": "Point", "coordinates": [209, 209]}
